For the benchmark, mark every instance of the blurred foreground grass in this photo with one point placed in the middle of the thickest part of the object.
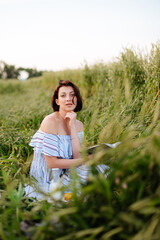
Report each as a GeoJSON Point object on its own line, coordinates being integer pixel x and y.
{"type": "Point", "coordinates": [121, 103]}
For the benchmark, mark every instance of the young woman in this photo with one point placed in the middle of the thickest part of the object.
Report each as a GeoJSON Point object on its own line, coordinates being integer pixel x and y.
{"type": "Point", "coordinates": [58, 141]}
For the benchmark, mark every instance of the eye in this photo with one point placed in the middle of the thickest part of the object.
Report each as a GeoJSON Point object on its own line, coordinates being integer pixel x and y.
{"type": "Point", "coordinates": [62, 95]}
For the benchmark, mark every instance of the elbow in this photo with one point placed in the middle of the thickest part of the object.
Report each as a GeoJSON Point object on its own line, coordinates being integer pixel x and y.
{"type": "Point", "coordinates": [50, 166]}
{"type": "Point", "coordinates": [51, 162]}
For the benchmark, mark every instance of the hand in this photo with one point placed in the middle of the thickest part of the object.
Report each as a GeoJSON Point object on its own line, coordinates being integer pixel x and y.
{"type": "Point", "coordinates": [71, 116]}
{"type": "Point", "coordinates": [90, 156]}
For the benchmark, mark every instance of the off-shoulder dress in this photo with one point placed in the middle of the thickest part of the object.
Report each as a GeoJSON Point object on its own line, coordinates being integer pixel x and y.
{"type": "Point", "coordinates": [58, 146]}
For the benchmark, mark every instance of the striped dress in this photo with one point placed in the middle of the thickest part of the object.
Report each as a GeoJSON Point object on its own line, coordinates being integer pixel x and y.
{"type": "Point", "coordinates": [58, 146]}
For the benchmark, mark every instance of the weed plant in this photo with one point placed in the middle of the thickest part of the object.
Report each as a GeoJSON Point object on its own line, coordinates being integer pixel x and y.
{"type": "Point", "coordinates": [121, 103]}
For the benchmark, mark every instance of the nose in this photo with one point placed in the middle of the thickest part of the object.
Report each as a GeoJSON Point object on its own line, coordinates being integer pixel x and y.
{"type": "Point", "coordinates": [68, 97]}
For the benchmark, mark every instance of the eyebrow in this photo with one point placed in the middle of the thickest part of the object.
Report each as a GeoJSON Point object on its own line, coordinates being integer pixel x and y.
{"type": "Point", "coordinates": [69, 92]}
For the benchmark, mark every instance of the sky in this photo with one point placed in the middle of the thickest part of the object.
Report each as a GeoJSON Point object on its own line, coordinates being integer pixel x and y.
{"type": "Point", "coordinates": [59, 34]}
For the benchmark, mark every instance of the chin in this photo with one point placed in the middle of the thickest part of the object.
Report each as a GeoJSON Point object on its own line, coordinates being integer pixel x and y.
{"type": "Point", "coordinates": [71, 109]}
{"type": "Point", "coordinates": [68, 109]}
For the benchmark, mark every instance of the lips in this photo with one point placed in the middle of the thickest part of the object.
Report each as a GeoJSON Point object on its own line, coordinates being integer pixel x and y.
{"type": "Point", "coordinates": [69, 104]}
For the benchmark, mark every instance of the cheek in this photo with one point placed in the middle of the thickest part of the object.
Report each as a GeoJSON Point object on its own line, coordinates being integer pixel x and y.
{"type": "Point", "coordinates": [61, 100]}
{"type": "Point", "coordinates": [74, 100]}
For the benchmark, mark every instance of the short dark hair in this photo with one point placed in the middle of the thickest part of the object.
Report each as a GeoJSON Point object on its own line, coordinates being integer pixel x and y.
{"type": "Point", "coordinates": [66, 83]}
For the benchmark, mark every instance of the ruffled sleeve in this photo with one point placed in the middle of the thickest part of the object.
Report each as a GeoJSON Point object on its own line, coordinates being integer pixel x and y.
{"type": "Point", "coordinates": [50, 145]}
{"type": "Point", "coordinates": [45, 143]}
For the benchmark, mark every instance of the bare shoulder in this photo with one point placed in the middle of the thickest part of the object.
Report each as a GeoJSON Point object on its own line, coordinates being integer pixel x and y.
{"type": "Point", "coordinates": [49, 124]}
{"type": "Point", "coordinates": [80, 126]}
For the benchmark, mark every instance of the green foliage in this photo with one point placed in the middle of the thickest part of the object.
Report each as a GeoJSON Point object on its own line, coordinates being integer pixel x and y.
{"type": "Point", "coordinates": [32, 72]}
{"type": "Point", "coordinates": [133, 68]}
{"type": "Point", "coordinates": [11, 72]}
{"type": "Point", "coordinates": [10, 88]}
{"type": "Point", "coordinates": [153, 71]}
{"type": "Point", "coordinates": [121, 103]}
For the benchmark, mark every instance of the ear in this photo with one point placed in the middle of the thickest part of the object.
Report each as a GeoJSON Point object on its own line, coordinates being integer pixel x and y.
{"type": "Point", "coordinates": [57, 101]}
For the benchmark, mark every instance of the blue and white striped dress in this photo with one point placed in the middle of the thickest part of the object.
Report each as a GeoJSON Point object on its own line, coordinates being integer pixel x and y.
{"type": "Point", "coordinates": [58, 146]}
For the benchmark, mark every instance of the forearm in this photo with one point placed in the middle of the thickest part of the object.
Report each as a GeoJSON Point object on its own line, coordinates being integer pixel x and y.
{"type": "Point", "coordinates": [75, 143]}
{"type": "Point", "coordinates": [54, 162]}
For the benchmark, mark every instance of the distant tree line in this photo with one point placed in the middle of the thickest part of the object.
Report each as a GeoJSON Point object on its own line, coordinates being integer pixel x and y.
{"type": "Point", "coordinates": [10, 71]}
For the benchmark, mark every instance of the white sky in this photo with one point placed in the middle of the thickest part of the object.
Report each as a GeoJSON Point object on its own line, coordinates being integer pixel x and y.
{"type": "Point", "coordinates": [59, 34]}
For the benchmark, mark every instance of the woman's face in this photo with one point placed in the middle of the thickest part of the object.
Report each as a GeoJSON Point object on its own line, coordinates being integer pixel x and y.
{"type": "Point", "coordinates": [67, 100]}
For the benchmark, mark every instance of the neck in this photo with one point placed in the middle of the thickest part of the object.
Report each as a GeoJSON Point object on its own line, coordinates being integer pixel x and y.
{"type": "Point", "coordinates": [62, 114]}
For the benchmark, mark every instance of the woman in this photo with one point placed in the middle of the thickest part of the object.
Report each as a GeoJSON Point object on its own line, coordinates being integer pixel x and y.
{"type": "Point", "coordinates": [58, 141]}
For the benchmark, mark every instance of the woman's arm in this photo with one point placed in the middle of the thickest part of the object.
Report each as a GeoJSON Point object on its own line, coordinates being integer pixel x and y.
{"type": "Point", "coordinates": [54, 162]}
{"type": "Point", "coordinates": [75, 127]}
{"type": "Point", "coordinates": [76, 146]}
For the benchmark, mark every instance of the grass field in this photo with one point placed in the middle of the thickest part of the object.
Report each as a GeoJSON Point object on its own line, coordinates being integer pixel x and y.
{"type": "Point", "coordinates": [121, 103]}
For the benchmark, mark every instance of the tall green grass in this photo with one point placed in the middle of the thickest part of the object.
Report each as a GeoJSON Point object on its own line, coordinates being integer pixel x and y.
{"type": "Point", "coordinates": [121, 103]}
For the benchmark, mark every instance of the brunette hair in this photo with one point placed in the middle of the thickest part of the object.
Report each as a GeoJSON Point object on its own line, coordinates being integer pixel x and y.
{"type": "Point", "coordinates": [66, 83]}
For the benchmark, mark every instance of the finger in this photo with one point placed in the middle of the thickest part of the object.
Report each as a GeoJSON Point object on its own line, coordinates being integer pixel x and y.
{"type": "Point", "coordinates": [67, 116]}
